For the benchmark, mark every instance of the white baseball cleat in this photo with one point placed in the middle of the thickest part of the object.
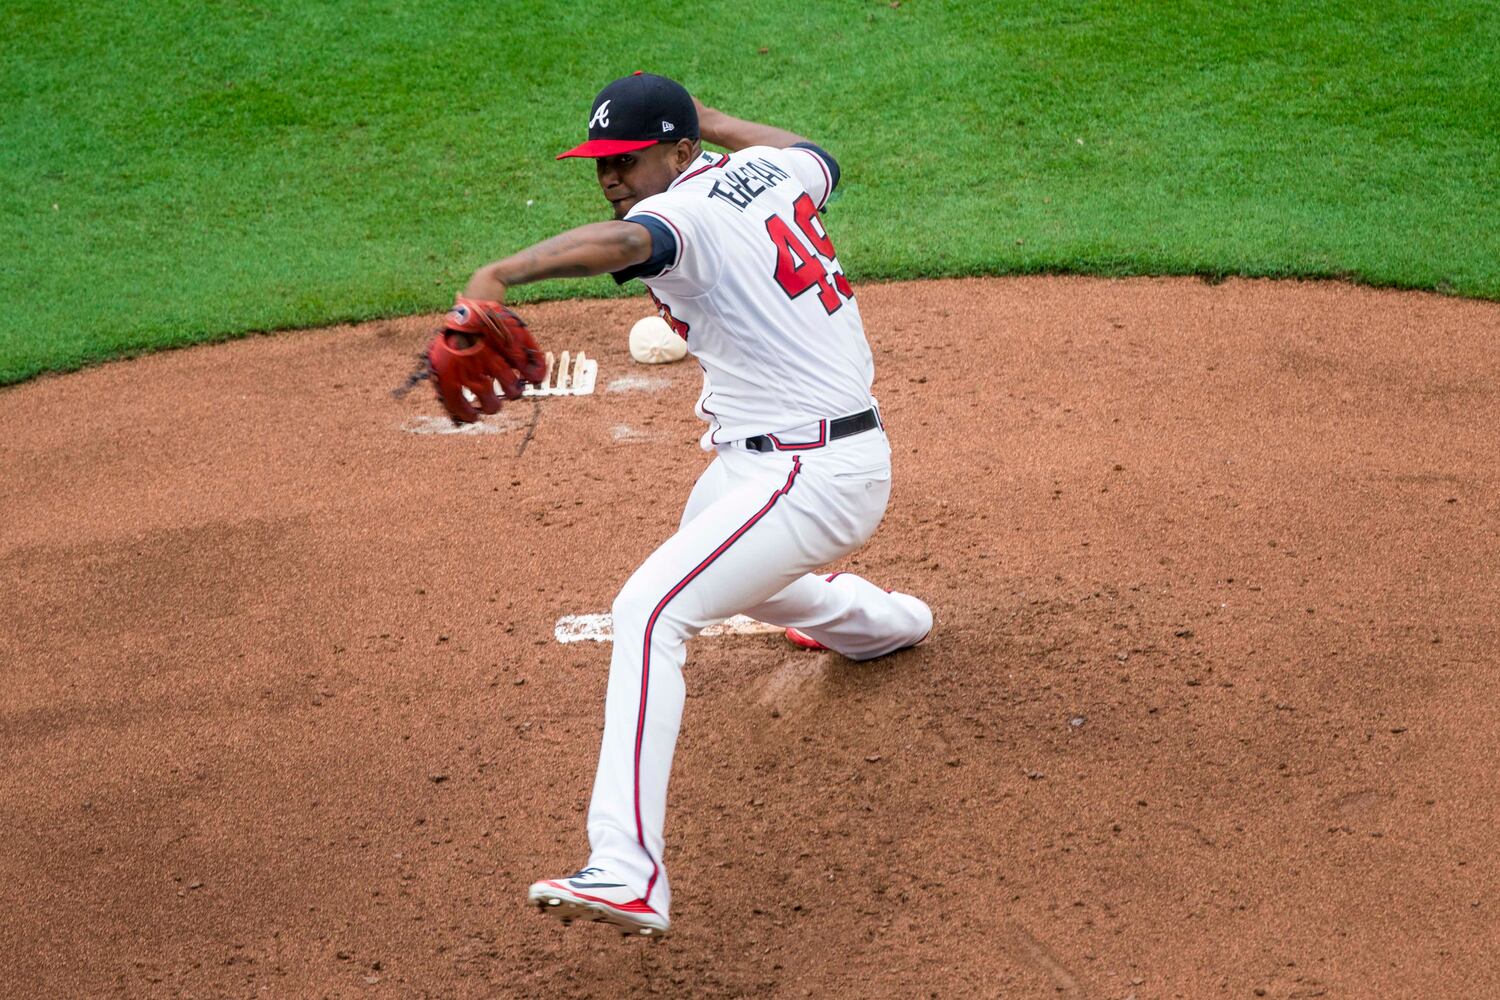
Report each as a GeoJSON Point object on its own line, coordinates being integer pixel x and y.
{"type": "Point", "coordinates": [797, 637]}
{"type": "Point", "coordinates": [594, 894]}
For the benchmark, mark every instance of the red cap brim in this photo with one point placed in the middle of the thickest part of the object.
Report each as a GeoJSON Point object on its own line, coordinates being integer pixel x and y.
{"type": "Point", "coordinates": [607, 147]}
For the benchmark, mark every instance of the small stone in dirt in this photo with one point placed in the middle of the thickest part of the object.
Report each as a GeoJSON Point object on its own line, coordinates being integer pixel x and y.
{"type": "Point", "coordinates": [872, 758]}
{"type": "Point", "coordinates": [1186, 633]}
{"type": "Point", "coordinates": [372, 980]}
{"type": "Point", "coordinates": [437, 779]}
{"type": "Point", "coordinates": [1035, 775]}
{"type": "Point", "coordinates": [953, 761]}
{"type": "Point", "coordinates": [343, 956]}
{"type": "Point", "coordinates": [195, 885]}
{"type": "Point", "coordinates": [519, 681]}
{"type": "Point", "coordinates": [1077, 721]}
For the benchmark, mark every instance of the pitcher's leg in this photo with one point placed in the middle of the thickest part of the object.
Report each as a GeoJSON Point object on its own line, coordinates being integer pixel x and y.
{"type": "Point", "coordinates": [848, 614]}
{"type": "Point", "coordinates": [735, 553]}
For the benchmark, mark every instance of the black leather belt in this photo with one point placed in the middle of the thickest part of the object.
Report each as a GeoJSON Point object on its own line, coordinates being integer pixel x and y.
{"type": "Point", "coordinates": [828, 430]}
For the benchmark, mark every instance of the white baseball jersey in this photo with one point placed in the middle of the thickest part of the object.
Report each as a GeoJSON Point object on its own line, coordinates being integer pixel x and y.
{"type": "Point", "coordinates": [749, 277]}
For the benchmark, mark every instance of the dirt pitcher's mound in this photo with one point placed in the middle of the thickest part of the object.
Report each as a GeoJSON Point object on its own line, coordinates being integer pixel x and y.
{"type": "Point", "coordinates": [1209, 711]}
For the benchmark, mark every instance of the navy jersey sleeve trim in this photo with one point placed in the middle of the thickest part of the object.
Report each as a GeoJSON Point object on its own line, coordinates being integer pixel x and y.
{"type": "Point", "coordinates": [828, 161]}
{"type": "Point", "coordinates": [664, 250]}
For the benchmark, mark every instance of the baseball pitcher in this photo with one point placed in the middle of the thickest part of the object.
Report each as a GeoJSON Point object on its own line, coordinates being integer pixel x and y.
{"type": "Point", "coordinates": [736, 257]}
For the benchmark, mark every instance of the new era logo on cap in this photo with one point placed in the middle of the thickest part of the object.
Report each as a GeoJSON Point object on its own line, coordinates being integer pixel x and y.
{"type": "Point", "coordinates": [637, 111]}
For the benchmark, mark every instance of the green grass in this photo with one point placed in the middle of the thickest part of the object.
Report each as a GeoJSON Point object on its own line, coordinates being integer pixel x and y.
{"type": "Point", "coordinates": [172, 172]}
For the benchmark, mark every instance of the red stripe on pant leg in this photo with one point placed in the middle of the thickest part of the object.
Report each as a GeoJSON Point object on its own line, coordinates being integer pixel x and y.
{"type": "Point", "coordinates": [640, 722]}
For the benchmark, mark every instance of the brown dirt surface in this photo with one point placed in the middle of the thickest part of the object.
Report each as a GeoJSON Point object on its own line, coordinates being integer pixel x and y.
{"type": "Point", "coordinates": [1209, 711]}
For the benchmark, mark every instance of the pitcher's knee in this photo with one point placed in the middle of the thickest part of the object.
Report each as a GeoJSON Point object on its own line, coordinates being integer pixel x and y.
{"type": "Point", "coordinates": [638, 608]}
{"type": "Point", "coordinates": [632, 608]}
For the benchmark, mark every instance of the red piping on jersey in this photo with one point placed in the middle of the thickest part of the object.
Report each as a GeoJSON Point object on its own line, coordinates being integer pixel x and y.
{"type": "Point", "coordinates": [820, 442]}
{"type": "Point", "coordinates": [827, 177]}
{"type": "Point", "coordinates": [680, 241]}
{"type": "Point", "coordinates": [640, 722]}
{"type": "Point", "coordinates": [714, 430]}
{"type": "Point", "coordinates": [695, 173]}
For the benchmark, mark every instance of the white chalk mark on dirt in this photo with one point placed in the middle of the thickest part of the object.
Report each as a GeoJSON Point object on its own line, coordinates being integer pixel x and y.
{"type": "Point", "coordinates": [626, 434]}
{"type": "Point", "coordinates": [501, 423]}
{"type": "Point", "coordinates": [637, 383]}
{"type": "Point", "coordinates": [601, 628]}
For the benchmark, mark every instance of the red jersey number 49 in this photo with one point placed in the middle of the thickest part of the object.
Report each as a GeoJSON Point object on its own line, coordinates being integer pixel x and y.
{"type": "Point", "coordinates": [798, 267]}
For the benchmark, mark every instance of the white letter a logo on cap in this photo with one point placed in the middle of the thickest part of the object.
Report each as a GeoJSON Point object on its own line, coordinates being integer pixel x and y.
{"type": "Point", "coordinates": [601, 116]}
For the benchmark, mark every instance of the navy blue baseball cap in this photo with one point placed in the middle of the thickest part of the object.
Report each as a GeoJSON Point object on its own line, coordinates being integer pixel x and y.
{"type": "Point", "coordinates": [637, 111]}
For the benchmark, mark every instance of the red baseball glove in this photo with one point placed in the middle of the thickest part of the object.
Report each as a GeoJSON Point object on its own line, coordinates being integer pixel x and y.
{"type": "Point", "coordinates": [482, 343]}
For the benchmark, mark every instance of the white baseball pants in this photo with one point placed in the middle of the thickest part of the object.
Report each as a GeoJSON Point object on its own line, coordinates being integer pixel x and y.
{"type": "Point", "coordinates": [754, 529]}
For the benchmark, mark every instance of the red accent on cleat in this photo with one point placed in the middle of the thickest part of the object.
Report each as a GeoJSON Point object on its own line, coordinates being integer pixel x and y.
{"type": "Point", "coordinates": [634, 906]}
{"type": "Point", "coordinates": [804, 640]}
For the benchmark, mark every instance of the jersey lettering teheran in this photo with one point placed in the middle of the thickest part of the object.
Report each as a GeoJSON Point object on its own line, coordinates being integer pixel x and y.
{"type": "Point", "coordinates": [755, 288]}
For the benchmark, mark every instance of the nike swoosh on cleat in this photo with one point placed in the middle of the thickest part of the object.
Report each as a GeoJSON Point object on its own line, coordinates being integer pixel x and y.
{"type": "Point", "coordinates": [597, 885]}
